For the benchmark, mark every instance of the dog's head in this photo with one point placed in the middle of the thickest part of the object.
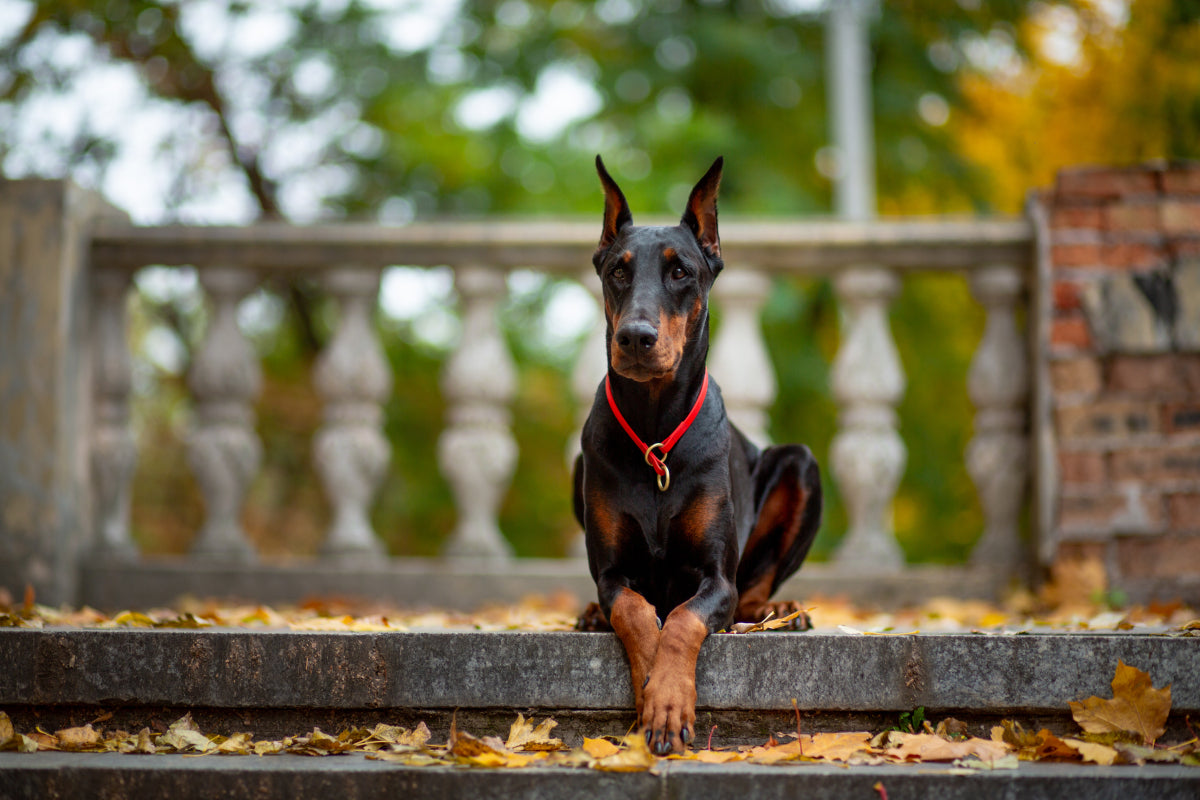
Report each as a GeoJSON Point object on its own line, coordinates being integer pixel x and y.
{"type": "Point", "coordinates": [656, 279]}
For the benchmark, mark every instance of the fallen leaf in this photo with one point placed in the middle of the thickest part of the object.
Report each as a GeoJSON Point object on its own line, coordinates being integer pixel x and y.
{"type": "Point", "coordinates": [133, 619]}
{"type": "Point", "coordinates": [599, 748]}
{"type": "Point", "coordinates": [394, 736]}
{"type": "Point", "coordinates": [26, 744]}
{"type": "Point", "coordinates": [1140, 754]}
{"type": "Point", "coordinates": [774, 754]}
{"type": "Point", "coordinates": [8, 735]}
{"type": "Point", "coordinates": [524, 736]}
{"type": "Point", "coordinates": [239, 744]}
{"type": "Point", "coordinates": [635, 756]}
{"type": "Point", "coordinates": [268, 748]}
{"type": "Point", "coordinates": [43, 740]}
{"type": "Point", "coordinates": [1052, 748]}
{"type": "Point", "coordinates": [1136, 706]}
{"type": "Point", "coordinates": [184, 735]}
{"type": "Point", "coordinates": [930, 747]}
{"type": "Point", "coordinates": [77, 738]}
{"type": "Point", "coordinates": [1093, 752]}
{"type": "Point", "coordinates": [716, 756]}
{"type": "Point", "coordinates": [835, 746]}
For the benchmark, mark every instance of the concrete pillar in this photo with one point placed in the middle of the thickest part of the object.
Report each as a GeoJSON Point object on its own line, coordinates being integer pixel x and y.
{"type": "Point", "coordinates": [44, 385]}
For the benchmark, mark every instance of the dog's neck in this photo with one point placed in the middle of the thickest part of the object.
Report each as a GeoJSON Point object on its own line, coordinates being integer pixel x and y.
{"type": "Point", "coordinates": [655, 407]}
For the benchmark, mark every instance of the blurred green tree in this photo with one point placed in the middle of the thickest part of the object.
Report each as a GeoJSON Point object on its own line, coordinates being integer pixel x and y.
{"type": "Point", "coordinates": [311, 109]}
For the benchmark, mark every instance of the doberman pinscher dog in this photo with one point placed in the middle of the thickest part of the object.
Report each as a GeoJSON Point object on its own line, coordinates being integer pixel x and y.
{"type": "Point", "coordinates": [679, 551]}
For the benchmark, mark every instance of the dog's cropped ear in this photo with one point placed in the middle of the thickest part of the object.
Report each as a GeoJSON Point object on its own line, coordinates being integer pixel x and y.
{"type": "Point", "coordinates": [616, 213]}
{"type": "Point", "coordinates": [700, 216]}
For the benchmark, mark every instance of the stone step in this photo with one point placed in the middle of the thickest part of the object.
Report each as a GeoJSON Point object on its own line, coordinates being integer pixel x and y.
{"type": "Point", "coordinates": [826, 672]}
{"type": "Point", "coordinates": [104, 775]}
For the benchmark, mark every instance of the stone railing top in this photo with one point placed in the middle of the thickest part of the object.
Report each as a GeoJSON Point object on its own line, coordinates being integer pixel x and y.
{"type": "Point", "coordinates": [812, 246]}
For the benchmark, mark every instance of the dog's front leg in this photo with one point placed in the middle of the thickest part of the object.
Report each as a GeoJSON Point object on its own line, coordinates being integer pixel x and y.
{"type": "Point", "coordinates": [636, 624]}
{"type": "Point", "coordinates": [668, 715]}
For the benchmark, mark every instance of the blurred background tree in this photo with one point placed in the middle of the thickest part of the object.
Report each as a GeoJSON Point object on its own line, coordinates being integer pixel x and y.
{"type": "Point", "coordinates": [227, 111]}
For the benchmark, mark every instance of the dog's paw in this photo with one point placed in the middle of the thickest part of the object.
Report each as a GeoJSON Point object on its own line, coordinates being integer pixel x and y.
{"type": "Point", "coordinates": [593, 620]}
{"type": "Point", "coordinates": [669, 712]}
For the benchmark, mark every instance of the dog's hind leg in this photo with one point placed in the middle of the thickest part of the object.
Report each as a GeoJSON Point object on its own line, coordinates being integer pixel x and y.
{"type": "Point", "coordinates": [787, 499]}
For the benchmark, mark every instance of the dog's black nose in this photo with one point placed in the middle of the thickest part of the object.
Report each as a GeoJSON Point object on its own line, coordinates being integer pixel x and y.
{"type": "Point", "coordinates": [637, 337]}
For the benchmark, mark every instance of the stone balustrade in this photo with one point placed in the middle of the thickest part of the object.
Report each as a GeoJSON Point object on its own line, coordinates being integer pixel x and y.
{"type": "Point", "coordinates": [477, 451]}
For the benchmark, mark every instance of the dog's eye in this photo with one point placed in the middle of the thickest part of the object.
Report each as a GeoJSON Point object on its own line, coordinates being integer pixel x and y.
{"type": "Point", "coordinates": [679, 273]}
{"type": "Point", "coordinates": [618, 274]}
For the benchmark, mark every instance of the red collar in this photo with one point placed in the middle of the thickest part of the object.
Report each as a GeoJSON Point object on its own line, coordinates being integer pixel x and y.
{"type": "Point", "coordinates": [664, 447]}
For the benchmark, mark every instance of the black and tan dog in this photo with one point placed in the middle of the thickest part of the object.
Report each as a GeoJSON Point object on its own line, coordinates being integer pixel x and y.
{"type": "Point", "coordinates": [696, 531]}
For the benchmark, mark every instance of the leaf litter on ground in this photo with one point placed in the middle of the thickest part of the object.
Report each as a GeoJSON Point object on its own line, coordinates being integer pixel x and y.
{"type": "Point", "coordinates": [1107, 737]}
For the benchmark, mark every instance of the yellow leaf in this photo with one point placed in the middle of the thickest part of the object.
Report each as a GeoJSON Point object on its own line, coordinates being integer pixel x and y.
{"type": "Point", "coordinates": [775, 753]}
{"type": "Point", "coordinates": [268, 748]}
{"type": "Point", "coordinates": [183, 735]}
{"type": "Point", "coordinates": [1136, 706]}
{"type": "Point", "coordinates": [238, 744]}
{"type": "Point", "coordinates": [523, 736]}
{"type": "Point", "coordinates": [716, 756]}
{"type": "Point", "coordinates": [1096, 753]}
{"type": "Point", "coordinates": [835, 746]}
{"type": "Point", "coordinates": [78, 738]}
{"type": "Point", "coordinates": [599, 748]}
{"type": "Point", "coordinates": [133, 619]}
{"type": "Point", "coordinates": [8, 735]}
{"type": "Point", "coordinates": [26, 744]}
{"type": "Point", "coordinates": [635, 757]}
{"type": "Point", "coordinates": [1052, 748]}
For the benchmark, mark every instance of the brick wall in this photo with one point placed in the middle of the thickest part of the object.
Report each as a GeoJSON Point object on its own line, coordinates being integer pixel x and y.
{"type": "Point", "coordinates": [1121, 355]}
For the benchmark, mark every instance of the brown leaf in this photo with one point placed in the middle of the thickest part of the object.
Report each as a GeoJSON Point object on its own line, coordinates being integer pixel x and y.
{"type": "Point", "coordinates": [8, 735]}
{"type": "Point", "coordinates": [1136, 706]}
{"type": "Point", "coordinates": [929, 747]}
{"type": "Point", "coordinates": [1052, 748]}
{"type": "Point", "coordinates": [77, 738]}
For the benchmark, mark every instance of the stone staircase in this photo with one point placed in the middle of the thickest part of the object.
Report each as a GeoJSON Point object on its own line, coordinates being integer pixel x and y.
{"type": "Point", "coordinates": [277, 683]}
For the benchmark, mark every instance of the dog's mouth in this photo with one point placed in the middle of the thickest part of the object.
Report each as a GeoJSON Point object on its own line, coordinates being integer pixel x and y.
{"type": "Point", "coordinates": [643, 369]}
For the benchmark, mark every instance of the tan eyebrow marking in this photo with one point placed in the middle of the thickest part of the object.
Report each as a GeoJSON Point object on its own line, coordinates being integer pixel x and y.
{"type": "Point", "coordinates": [669, 254]}
{"type": "Point", "coordinates": [627, 256]}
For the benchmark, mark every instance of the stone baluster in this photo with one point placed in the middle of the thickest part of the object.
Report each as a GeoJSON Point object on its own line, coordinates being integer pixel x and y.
{"type": "Point", "coordinates": [223, 449]}
{"type": "Point", "coordinates": [998, 385]}
{"type": "Point", "coordinates": [477, 452]}
{"type": "Point", "coordinates": [739, 355]}
{"type": "Point", "coordinates": [350, 451]}
{"type": "Point", "coordinates": [113, 449]}
{"type": "Point", "coordinates": [867, 454]}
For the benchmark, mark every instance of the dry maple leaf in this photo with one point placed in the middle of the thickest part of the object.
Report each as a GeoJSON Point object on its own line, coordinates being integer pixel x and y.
{"type": "Point", "coordinates": [835, 746]}
{"type": "Point", "coordinates": [524, 736]}
{"type": "Point", "coordinates": [930, 747]}
{"type": "Point", "coordinates": [1136, 706]}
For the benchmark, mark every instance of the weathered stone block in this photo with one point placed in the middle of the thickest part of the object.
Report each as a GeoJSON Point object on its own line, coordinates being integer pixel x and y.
{"type": "Point", "coordinates": [1164, 376]}
{"type": "Point", "coordinates": [1159, 557]}
{"type": "Point", "coordinates": [1101, 420]}
{"type": "Point", "coordinates": [1076, 376]}
{"type": "Point", "coordinates": [1070, 333]}
{"type": "Point", "coordinates": [1187, 298]}
{"type": "Point", "coordinates": [1104, 182]}
{"type": "Point", "coordinates": [1123, 509]}
{"type": "Point", "coordinates": [1082, 467]}
{"type": "Point", "coordinates": [1184, 511]}
{"type": "Point", "coordinates": [1157, 464]}
{"type": "Point", "coordinates": [1131, 313]}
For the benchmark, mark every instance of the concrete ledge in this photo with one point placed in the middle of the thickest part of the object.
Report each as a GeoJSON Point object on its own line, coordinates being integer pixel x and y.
{"type": "Point", "coordinates": [104, 775]}
{"type": "Point", "coordinates": [115, 585]}
{"type": "Point", "coordinates": [214, 668]}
